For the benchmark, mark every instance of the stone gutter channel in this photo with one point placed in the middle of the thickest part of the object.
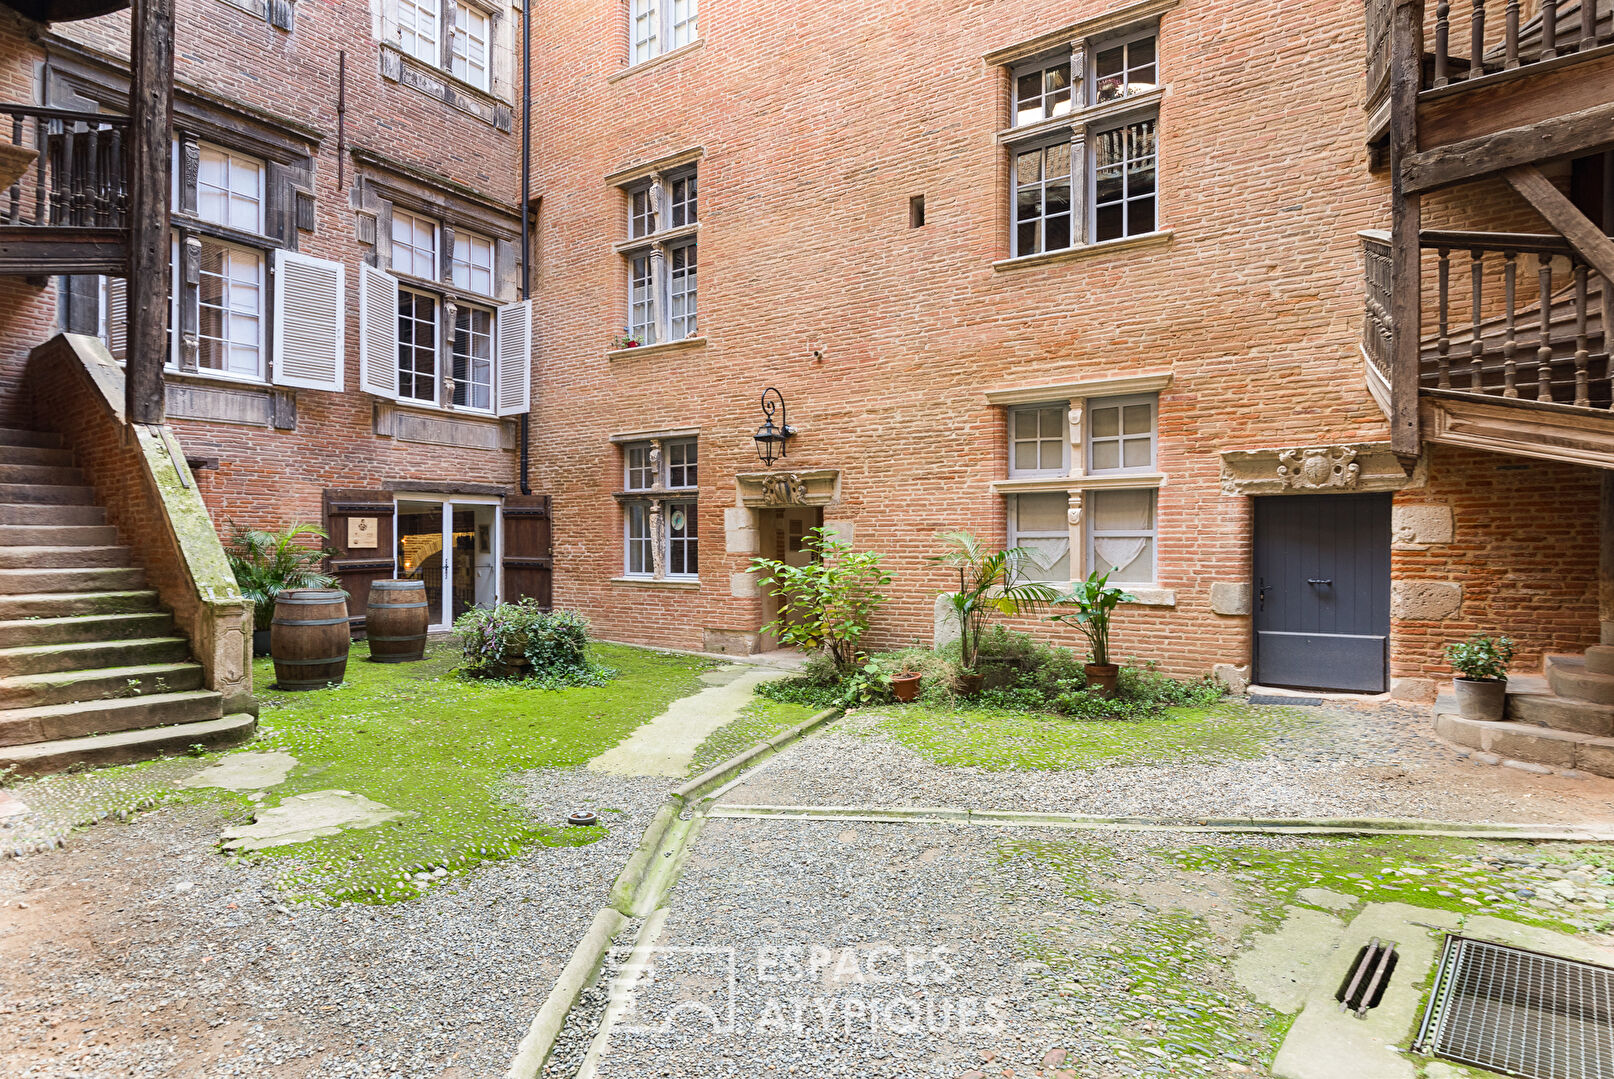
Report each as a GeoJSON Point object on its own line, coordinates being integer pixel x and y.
{"type": "Point", "coordinates": [591, 992]}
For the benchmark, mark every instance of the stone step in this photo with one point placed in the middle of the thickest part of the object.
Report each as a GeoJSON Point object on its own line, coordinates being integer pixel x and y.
{"type": "Point", "coordinates": [1539, 745]}
{"type": "Point", "coordinates": [16, 436]}
{"type": "Point", "coordinates": [12, 472]}
{"type": "Point", "coordinates": [1562, 713]}
{"type": "Point", "coordinates": [58, 536]}
{"type": "Point", "coordinates": [15, 582]}
{"type": "Point", "coordinates": [55, 557]}
{"type": "Point", "coordinates": [73, 604]}
{"type": "Point", "coordinates": [1600, 659]}
{"type": "Point", "coordinates": [108, 683]}
{"type": "Point", "coordinates": [93, 655]}
{"type": "Point", "coordinates": [126, 746]}
{"type": "Point", "coordinates": [24, 726]}
{"type": "Point", "coordinates": [91, 627]}
{"type": "Point", "coordinates": [50, 515]}
{"type": "Point", "coordinates": [1568, 677]}
{"type": "Point", "coordinates": [36, 455]}
{"type": "Point", "coordinates": [58, 494]}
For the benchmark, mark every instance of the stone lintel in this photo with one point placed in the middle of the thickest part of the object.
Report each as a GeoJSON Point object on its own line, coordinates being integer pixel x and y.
{"type": "Point", "coordinates": [1343, 467]}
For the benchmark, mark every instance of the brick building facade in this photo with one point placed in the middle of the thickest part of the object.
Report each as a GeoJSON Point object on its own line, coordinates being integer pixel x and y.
{"type": "Point", "coordinates": [1084, 276]}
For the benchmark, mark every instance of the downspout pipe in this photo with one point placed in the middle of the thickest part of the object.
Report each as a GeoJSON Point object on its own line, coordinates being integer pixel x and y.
{"type": "Point", "coordinates": [526, 214]}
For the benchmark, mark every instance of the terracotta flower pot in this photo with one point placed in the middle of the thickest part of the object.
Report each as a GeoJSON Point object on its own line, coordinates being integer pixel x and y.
{"type": "Point", "coordinates": [1483, 699]}
{"type": "Point", "coordinates": [1101, 678]}
{"type": "Point", "coordinates": [905, 687]}
{"type": "Point", "coordinates": [970, 684]}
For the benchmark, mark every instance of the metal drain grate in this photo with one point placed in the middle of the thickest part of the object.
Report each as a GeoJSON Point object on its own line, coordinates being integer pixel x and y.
{"type": "Point", "coordinates": [1519, 1012]}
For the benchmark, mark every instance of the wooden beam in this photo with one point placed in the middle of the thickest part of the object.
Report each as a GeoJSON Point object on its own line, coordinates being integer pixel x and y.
{"type": "Point", "coordinates": [151, 123]}
{"type": "Point", "coordinates": [1406, 72]}
{"type": "Point", "coordinates": [1564, 216]}
{"type": "Point", "coordinates": [1564, 136]}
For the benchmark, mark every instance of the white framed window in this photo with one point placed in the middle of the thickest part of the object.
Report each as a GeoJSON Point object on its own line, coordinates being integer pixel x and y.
{"type": "Point", "coordinates": [1122, 533]}
{"type": "Point", "coordinates": [684, 203]}
{"type": "Point", "coordinates": [681, 292]}
{"type": "Point", "coordinates": [663, 212]}
{"type": "Point", "coordinates": [641, 300]}
{"type": "Point", "coordinates": [414, 245]}
{"type": "Point", "coordinates": [658, 26]}
{"type": "Point", "coordinates": [471, 355]}
{"type": "Point", "coordinates": [1039, 521]}
{"type": "Point", "coordinates": [1121, 434]}
{"type": "Point", "coordinates": [229, 189]}
{"type": "Point", "coordinates": [1093, 177]}
{"type": "Point", "coordinates": [472, 264]}
{"type": "Point", "coordinates": [1039, 440]}
{"type": "Point", "coordinates": [230, 311]}
{"type": "Point", "coordinates": [641, 218]}
{"type": "Point", "coordinates": [661, 534]}
{"type": "Point", "coordinates": [419, 25]}
{"type": "Point", "coordinates": [417, 345]}
{"type": "Point", "coordinates": [473, 29]}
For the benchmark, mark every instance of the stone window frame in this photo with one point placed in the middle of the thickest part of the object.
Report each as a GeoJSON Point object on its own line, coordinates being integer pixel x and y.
{"type": "Point", "coordinates": [444, 71]}
{"type": "Point", "coordinates": [450, 300]}
{"type": "Point", "coordinates": [652, 249]}
{"type": "Point", "coordinates": [1079, 482]}
{"type": "Point", "coordinates": [658, 28]}
{"type": "Point", "coordinates": [659, 458]}
{"type": "Point", "coordinates": [1081, 124]}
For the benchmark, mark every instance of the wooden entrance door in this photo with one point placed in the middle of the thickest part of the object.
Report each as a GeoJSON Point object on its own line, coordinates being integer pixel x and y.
{"type": "Point", "coordinates": [1322, 591]}
{"type": "Point", "coordinates": [528, 557]}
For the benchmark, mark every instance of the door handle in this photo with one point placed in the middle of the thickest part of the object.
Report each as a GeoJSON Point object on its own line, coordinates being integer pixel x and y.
{"type": "Point", "coordinates": [1319, 580]}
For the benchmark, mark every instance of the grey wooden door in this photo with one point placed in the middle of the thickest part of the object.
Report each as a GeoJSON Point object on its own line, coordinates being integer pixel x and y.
{"type": "Point", "coordinates": [1322, 591]}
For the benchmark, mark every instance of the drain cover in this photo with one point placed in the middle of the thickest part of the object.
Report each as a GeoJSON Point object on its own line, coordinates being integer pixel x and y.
{"type": "Point", "coordinates": [1521, 1013]}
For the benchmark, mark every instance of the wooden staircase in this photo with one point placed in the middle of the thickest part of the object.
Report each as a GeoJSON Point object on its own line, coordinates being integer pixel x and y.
{"type": "Point", "coordinates": [92, 669]}
{"type": "Point", "coordinates": [1563, 719]}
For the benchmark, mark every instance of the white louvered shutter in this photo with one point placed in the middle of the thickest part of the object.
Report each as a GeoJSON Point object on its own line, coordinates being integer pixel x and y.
{"type": "Point", "coordinates": [117, 318]}
{"type": "Point", "coordinates": [378, 332]}
{"type": "Point", "coordinates": [513, 388]}
{"type": "Point", "coordinates": [309, 312]}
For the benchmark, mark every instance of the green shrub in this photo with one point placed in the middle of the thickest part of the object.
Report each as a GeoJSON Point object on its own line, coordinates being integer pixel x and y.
{"type": "Point", "coordinates": [523, 641]}
{"type": "Point", "coordinates": [826, 604]}
{"type": "Point", "coordinates": [1481, 657]}
{"type": "Point", "coordinates": [1140, 692]}
{"type": "Point", "coordinates": [266, 564]}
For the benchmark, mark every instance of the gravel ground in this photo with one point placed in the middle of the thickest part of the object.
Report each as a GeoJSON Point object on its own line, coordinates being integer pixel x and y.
{"type": "Point", "coordinates": [1383, 762]}
{"type": "Point", "coordinates": [138, 951]}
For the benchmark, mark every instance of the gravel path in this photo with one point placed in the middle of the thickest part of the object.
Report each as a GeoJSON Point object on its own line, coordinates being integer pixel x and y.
{"type": "Point", "coordinates": [1383, 762]}
{"type": "Point", "coordinates": [138, 951]}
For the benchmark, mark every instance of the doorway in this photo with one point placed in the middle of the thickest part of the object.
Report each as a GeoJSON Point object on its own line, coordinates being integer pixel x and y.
{"type": "Point", "coordinates": [783, 534]}
{"type": "Point", "coordinates": [1322, 591]}
{"type": "Point", "coordinates": [450, 546]}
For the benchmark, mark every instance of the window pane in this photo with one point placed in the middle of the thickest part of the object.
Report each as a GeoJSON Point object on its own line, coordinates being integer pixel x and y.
{"type": "Point", "coordinates": [1115, 511]}
{"type": "Point", "coordinates": [1106, 455]}
{"type": "Point", "coordinates": [1139, 419]}
{"type": "Point", "coordinates": [1041, 512]}
{"type": "Point", "coordinates": [1108, 223]}
{"type": "Point", "coordinates": [1140, 216]}
{"type": "Point", "coordinates": [1106, 422]}
{"type": "Point", "coordinates": [1025, 456]}
{"type": "Point", "coordinates": [1028, 168]}
{"type": "Point", "coordinates": [1053, 456]}
{"type": "Point", "coordinates": [1056, 236]}
{"type": "Point", "coordinates": [1135, 452]}
{"type": "Point", "coordinates": [1058, 161]}
{"type": "Point", "coordinates": [1125, 559]}
{"type": "Point", "coordinates": [1051, 422]}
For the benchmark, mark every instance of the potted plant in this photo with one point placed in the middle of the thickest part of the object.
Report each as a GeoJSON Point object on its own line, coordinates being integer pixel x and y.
{"type": "Point", "coordinates": [269, 563]}
{"type": "Point", "coordinates": [905, 683]}
{"type": "Point", "coordinates": [625, 340]}
{"type": "Point", "coordinates": [988, 581]}
{"type": "Point", "coordinates": [1095, 600]}
{"type": "Point", "coordinates": [1481, 685]}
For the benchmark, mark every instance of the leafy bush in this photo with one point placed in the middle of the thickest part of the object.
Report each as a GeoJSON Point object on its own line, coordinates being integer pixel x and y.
{"type": "Point", "coordinates": [1094, 600]}
{"type": "Point", "coordinates": [523, 641]}
{"type": "Point", "coordinates": [826, 604]}
{"type": "Point", "coordinates": [269, 563]}
{"type": "Point", "coordinates": [1140, 692]}
{"type": "Point", "coordinates": [1006, 659]}
{"type": "Point", "coordinates": [988, 582]}
{"type": "Point", "coordinates": [1481, 657]}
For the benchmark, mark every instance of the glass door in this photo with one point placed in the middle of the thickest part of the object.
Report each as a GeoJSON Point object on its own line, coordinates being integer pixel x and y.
{"type": "Point", "coordinates": [475, 575]}
{"type": "Point", "coordinates": [420, 551]}
{"type": "Point", "coordinates": [452, 548]}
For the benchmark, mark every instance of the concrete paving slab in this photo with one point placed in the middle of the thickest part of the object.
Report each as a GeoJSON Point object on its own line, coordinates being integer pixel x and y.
{"type": "Point", "coordinates": [666, 745]}
{"type": "Point", "coordinates": [1322, 897]}
{"type": "Point", "coordinates": [1280, 968]}
{"type": "Point", "coordinates": [245, 772]}
{"type": "Point", "coordinates": [307, 816]}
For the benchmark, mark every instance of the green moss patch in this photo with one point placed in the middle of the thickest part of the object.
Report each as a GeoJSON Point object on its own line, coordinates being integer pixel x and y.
{"type": "Point", "coordinates": [1001, 740]}
{"type": "Point", "coordinates": [761, 720]}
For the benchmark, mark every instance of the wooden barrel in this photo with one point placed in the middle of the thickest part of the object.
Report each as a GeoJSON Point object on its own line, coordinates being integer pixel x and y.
{"type": "Point", "coordinates": [309, 638]}
{"type": "Point", "coordinates": [395, 620]}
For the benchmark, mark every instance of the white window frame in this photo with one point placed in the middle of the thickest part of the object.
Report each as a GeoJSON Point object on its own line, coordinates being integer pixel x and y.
{"type": "Point", "coordinates": [1062, 435]}
{"type": "Point", "coordinates": [1017, 535]}
{"type": "Point", "coordinates": [655, 235]}
{"type": "Point", "coordinates": [1120, 438]}
{"type": "Point", "coordinates": [1127, 161]}
{"type": "Point", "coordinates": [471, 264]}
{"type": "Point", "coordinates": [1151, 534]}
{"type": "Point", "coordinates": [1073, 179]}
{"type": "Point", "coordinates": [688, 543]}
{"type": "Point", "coordinates": [470, 310]}
{"type": "Point", "coordinates": [656, 27]}
{"type": "Point", "coordinates": [261, 346]}
{"type": "Point", "coordinates": [471, 47]}
{"type": "Point", "coordinates": [411, 36]}
{"type": "Point", "coordinates": [1098, 46]}
{"type": "Point", "coordinates": [1065, 59]}
{"type": "Point", "coordinates": [436, 347]}
{"type": "Point", "coordinates": [632, 543]}
{"type": "Point", "coordinates": [230, 188]}
{"type": "Point", "coordinates": [652, 493]}
{"type": "Point", "coordinates": [411, 245]}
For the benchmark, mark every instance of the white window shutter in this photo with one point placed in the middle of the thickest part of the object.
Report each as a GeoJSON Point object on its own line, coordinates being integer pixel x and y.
{"type": "Point", "coordinates": [378, 332]}
{"type": "Point", "coordinates": [513, 353]}
{"type": "Point", "coordinates": [117, 317]}
{"type": "Point", "coordinates": [309, 312]}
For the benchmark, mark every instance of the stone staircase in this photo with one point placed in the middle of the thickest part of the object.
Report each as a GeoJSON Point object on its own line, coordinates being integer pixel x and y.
{"type": "Point", "coordinates": [1562, 719]}
{"type": "Point", "coordinates": [92, 668]}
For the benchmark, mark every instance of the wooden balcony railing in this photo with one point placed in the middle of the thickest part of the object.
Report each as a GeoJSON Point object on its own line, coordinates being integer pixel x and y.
{"type": "Point", "coordinates": [64, 191]}
{"type": "Point", "coordinates": [1376, 335]}
{"type": "Point", "coordinates": [1472, 38]}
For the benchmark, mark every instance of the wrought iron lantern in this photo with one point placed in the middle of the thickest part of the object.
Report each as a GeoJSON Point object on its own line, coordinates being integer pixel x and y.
{"type": "Point", "coordinates": [772, 439]}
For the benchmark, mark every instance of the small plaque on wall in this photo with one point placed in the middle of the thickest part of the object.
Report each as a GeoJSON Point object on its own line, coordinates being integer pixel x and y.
{"type": "Point", "coordinates": [363, 532]}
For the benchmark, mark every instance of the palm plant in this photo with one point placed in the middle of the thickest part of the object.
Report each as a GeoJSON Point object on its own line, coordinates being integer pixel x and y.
{"type": "Point", "coordinates": [988, 582]}
{"type": "Point", "coordinates": [269, 563]}
{"type": "Point", "coordinates": [1095, 600]}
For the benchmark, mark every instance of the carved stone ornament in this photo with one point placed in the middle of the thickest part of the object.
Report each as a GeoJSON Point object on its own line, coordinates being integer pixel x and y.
{"type": "Point", "coordinates": [1073, 511]}
{"type": "Point", "coordinates": [770, 490]}
{"type": "Point", "coordinates": [1319, 466]}
{"type": "Point", "coordinates": [784, 489]}
{"type": "Point", "coordinates": [1358, 466]}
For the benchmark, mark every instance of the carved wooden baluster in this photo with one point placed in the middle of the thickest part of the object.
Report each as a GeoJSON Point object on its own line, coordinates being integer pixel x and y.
{"type": "Point", "coordinates": [96, 193]}
{"type": "Point", "coordinates": [119, 173]}
{"type": "Point", "coordinates": [1544, 352]}
{"type": "Point", "coordinates": [14, 196]}
{"type": "Point", "coordinates": [1588, 24]}
{"type": "Point", "coordinates": [1511, 37]}
{"type": "Point", "coordinates": [1476, 343]}
{"type": "Point", "coordinates": [49, 153]}
{"type": "Point", "coordinates": [1476, 40]}
{"type": "Point", "coordinates": [1583, 396]}
{"type": "Point", "coordinates": [1442, 36]}
{"type": "Point", "coordinates": [1549, 29]}
{"type": "Point", "coordinates": [1510, 335]}
{"type": "Point", "coordinates": [1442, 312]}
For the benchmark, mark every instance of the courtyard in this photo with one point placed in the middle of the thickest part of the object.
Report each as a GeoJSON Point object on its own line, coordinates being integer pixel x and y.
{"type": "Point", "coordinates": [945, 888]}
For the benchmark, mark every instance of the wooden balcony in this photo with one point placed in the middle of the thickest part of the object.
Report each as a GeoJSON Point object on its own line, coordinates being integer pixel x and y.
{"type": "Point", "coordinates": [1513, 344]}
{"type": "Point", "coordinates": [64, 189]}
